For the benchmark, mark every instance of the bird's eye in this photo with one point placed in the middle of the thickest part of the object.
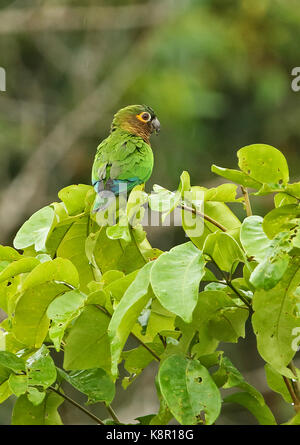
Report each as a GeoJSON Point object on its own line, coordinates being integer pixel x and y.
{"type": "Point", "coordinates": [144, 117]}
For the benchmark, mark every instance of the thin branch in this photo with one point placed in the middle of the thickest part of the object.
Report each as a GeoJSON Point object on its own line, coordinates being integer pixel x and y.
{"type": "Point", "coordinates": [229, 284]}
{"type": "Point", "coordinates": [112, 413]}
{"type": "Point", "coordinates": [296, 385]}
{"type": "Point", "coordinates": [202, 215]}
{"type": "Point", "coordinates": [289, 386]}
{"type": "Point", "coordinates": [146, 347]}
{"type": "Point", "coordinates": [132, 335]}
{"type": "Point", "coordinates": [88, 413]}
{"type": "Point", "coordinates": [247, 201]}
{"type": "Point", "coordinates": [241, 297]}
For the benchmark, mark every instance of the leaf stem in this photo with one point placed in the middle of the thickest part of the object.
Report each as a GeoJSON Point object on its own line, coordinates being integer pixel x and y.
{"type": "Point", "coordinates": [239, 295]}
{"type": "Point", "coordinates": [132, 335]}
{"type": "Point", "coordinates": [112, 413]}
{"type": "Point", "coordinates": [202, 215]}
{"type": "Point", "coordinates": [146, 347]}
{"type": "Point", "coordinates": [296, 401]}
{"type": "Point", "coordinates": [88, 413]}
{"type": "Point", "coordinates": [295, 384]}
{"type": "Point", "coordinates": [247, 201]}
{"type": "Point", "coordinates": [229, 284]}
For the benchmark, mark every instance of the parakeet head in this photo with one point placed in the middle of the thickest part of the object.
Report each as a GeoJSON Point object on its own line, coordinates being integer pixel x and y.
{"type": "Point", "coordinates": [139, 120]}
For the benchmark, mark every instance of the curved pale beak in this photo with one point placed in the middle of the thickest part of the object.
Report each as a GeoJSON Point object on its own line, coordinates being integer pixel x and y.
{"type": "Point", "coordinates": [155, 125]}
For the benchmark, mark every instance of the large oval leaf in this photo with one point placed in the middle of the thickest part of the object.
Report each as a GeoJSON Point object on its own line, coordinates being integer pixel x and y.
{"type": "Point", "coordinates": [127, 312]}
{"type": "Point", "coordinates": [275, 322]}
{"type": "Point", "coordinates": [189, 390]}
{"type": "Point", "coordinates": [175, 279]}
{"type": "Point", "coordinates": [264, 164]}
{"type": "Point", "coordinates": [35, 230]}
{"type": "Point", "coordinates": [253, 238]}
{"type": "Point", "coordinates": [87, 344]}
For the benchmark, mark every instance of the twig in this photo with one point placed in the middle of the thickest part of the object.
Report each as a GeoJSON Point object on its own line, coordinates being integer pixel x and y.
{"type": "Point", "coordinates": [295, 384]}
{"type": "Point", "coordinates": [202, 215]}
{"type": "Point", "coordinates": [132, 335]}
{"type": "Point", "coordinates": [88, 413]}
{"type": "Point", "coordinates": [247, 201]}
{"type": "Point", "coordinates": [239, 295]}
{"type": "Point", "coordinates": [146, 347]}
{"type": "Point", "coordinates": [289, 386]}
{"type": "Point", "coordinates": [229, 284]}
{"type": "Point", "coordinates": [112, 413]}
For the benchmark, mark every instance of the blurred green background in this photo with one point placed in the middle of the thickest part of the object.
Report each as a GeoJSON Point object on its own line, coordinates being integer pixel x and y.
{"type": "Point", "coordinates": [218, 75]}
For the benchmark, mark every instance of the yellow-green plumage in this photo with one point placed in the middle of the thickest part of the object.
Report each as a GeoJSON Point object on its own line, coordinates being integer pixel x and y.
{"type": "Point", "coordinates": [125, 158]}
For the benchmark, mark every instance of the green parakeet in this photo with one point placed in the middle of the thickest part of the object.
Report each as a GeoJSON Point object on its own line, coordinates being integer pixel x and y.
{"type": "Point", "coordinates": [125, 158]}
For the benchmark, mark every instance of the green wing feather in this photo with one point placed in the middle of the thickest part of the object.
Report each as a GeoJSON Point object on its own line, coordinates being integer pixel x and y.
{"type": "Point", "coordinates": [122, 156]}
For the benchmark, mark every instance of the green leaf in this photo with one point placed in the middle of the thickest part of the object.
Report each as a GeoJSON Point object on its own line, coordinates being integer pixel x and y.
{"type": "Point", "coordinates": [36, 230]}
{"type": "Point", "coordinates": [127, 312]}
{"type": "Point", "coordinates": [26, 413]}
{"type": "Point", "coordinates": [95, 383]}
{"type": "Point", "coordinates": [24, 265]}
{"type": "Point", "coordinates": [117, 288]}
{"type": "Point", "coordinates": [283, 199]}
{"type": "Point", "coordinates": [228, 376]}
{"type": "Point", "coordinates": [58, 270]}
{"type": "Point", "coordinates": [264, 164]}
{"type": "Point", "coordinates": [224, 250]}
{"type": "Point", "coordinates": [293, 189]}
{"type": "Point", "coordinates": [41, 286]}
{"type": "Point", "coordinates": [12, 361]}
{"type": "Point", "coordinates": [41, 369]}
{"type": "Point", "coordinates": [222, 317]}
{"type": "Point", "coordinates": [134, 209]}
{"type": "Point", "coordinates": [280, 219]}
{"type": "Point", "coordinates": [276, 383]}
{"type": "Point", "coordinates": [228, 324]}
{"type": "Point", "coordinates": [4, 373]}
{"type": "Point", "coordinates": [18, 384]}
{"type": "Point", "coordinates": [189, 390]}
{"type": "Point", "coordinates": [74, 197]}
{"type": "Point", "coordinates": [119, 231]}
{"type": "Point", "coordinates": [5, 391]}
{"type": "Point", "coordinates": [262, 412]}
{"type": "Point", "coordinates": [270, 271]}
{"type": "Point", "coordinates": [274, 320]}
{"type": "Point", "coordinates": [72, 247]}
{"type": "Point", "coordinates": [253, 238]}
{"type": "Point", "coordinates": [30, 323]}
{"type": "Point", "coordinates": [165, 201]}
{"type": "Point", "coordinates": [114, 254]}
{"type": "Point", "coordinates": [9, 254]}
{"type": "Point", "coordinates": [236, 176]}
{"type": "Point", "coordinates": [182, 269]}
{"type": "Point", "coordinates": [198, 229]}
{"type": "Point", "coordinates": [87, 344]}
{"type": "Point", "coordinates": [164, 415]}
{"type": "Point", "coordinates": [139, 358]}
{"type": "Point", "coordinates": [145, 420]}
{"type": "Point", "coordinates": [62, 311]}
{"type": "Point", "coordinates": [35, 396]}
{"type": "Point", "coordinates": [222, 193]}
{"type": "Point", "coordinates": [160, 320]}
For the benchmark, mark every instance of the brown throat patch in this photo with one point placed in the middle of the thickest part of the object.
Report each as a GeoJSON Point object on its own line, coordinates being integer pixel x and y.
{"type": "Point", "coordinates": [138, 128]}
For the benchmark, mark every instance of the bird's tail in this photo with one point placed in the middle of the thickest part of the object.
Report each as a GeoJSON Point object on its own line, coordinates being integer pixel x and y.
{"type": "Point", "coordinates": [102, 201]}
